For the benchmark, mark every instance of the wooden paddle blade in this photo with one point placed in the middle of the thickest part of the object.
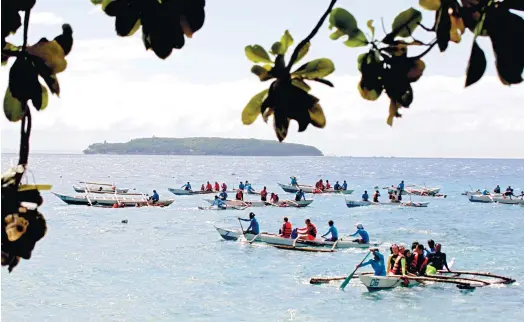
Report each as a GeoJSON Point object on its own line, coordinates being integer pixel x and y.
{"type": "Point", "coordinates": [41, 187]}
{"type": "Point", "coordinates": [346, 281]}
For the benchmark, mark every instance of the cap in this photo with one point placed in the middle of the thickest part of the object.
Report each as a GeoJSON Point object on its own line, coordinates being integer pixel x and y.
{"type": "Point", "coordinates": [359, 226]}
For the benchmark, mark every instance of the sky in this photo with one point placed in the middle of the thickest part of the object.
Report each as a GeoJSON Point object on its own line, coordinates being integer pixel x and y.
{"type": "Point", "coordinates": [115, 90]}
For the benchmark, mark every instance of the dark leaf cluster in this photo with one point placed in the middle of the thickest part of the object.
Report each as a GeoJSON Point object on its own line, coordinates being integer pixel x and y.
{"type": "Point", "coordinates": [164, 22]}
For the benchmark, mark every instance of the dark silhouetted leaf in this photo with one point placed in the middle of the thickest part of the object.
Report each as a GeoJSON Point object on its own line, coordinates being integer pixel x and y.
{"type": "Point", "coordinates": [318, 68]}
{"type": "Point", "coordinates": [514, 4]}
{"type": "Point", "coordinates": [317, 116]}
{"type": "Point", "coordinates": [303, 52]}
{"type": "Point", "coordinates": [369, 94]}
{"type": "Point", "coordinates": [12, 107]}
{"type": "Point", "coordinates": [324, 81]}
{"type": "Point", "coordinates": [113, 7]}
{"type": "Point", "coordinates": [257, 54]}
{"type": "Point", "coordinates": [406, 22]}
{"type": "Point", "coordinates": [262, 73]}
{"type": "Point", "coordinates": [432, 5]}
{"type": "Point", "coordinates": [45, 72]}
{"type": "Point", "coordinates": [343, 21]}
{"type": "Point", "coordinates": [253, 108]}
{"type": "Point", "coordinates": [300, 84]}
{"type": "Point", "coordinates": [281, 125]}
{"type": "Point", "coordinates": [11, 20]}
{"type": "Point", "coordinates": [51, 53]}
{"type": "Point", "coordinates": [8, 48]}
{"type": "Point", "coordinates": [443, 22]}
{"type": "Point", "coordinates": [357, 40]}
{"type": "Point", "coordinates": [393, 112]}
{"type": "Point", "coordinates": [23, 80]}
{"type": "Point", "coordinates": [65, 40]}
{"type": "Point", "coordinates": [476, 65]}
{"type": "Point", "coordinates": [41, 104]}
{"type": "Point", "coordinates": [416, 70]}
{"type": "Point", "coordinates": [127, 22]}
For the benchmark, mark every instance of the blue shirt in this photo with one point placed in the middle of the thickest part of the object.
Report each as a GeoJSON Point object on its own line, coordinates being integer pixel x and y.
{"type": "Point", "coordinates": [363, 234]}
{"type": "Point", "coordinates": [248, 187]}
{"type": "Point", "coordinates": [155, 197]}
{"type": "Point", "coordinates": [401, 186]}
{"type": "Point", "coordinates": [485, 192]}
{"type": "Point", "coordinates": [187, 186]}
{"type": "Point", "coordinates": [336, 186]}
{"type": "Point", "coordinates": [345, 186]}
{"type": "Point", "coordinates": [219, 203]}
{"type": "Point", "coordinates": [377, 264]}
{"type": "Point", "coordinates": [241, 186]}
{"type": "Point", "coordinates": [293, 181]}
{"type": "Point", "coordinates": [302, 195]}
{"type": "Point", "coordinates": [253, 225]}
{"type": "Point", "coordinates": [426, 252]}
{"type": "Point", "coordinates": [223, 195]}
{"type": "Point", "coordinates": [365, 197]}
{"type": "Point", "coordinates": [333, 231]}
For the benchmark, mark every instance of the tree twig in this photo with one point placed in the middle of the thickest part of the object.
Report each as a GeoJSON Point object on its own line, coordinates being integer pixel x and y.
{"type": "Point", "coordinates": [427, 50]}
{"type": "Point", "coordinates": [426, 28]}
{"type": "Point", "coordinates": [26, 28]}
{"type": "Point", "coordinates": [310, 36]}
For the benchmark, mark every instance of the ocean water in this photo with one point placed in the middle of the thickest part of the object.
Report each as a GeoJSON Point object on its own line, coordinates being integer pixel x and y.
{"type": "Point", "coordinates": [170, 264]}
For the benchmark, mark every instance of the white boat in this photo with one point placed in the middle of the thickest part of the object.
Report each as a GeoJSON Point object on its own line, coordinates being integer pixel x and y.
{"type": "Point", "coordinates": [95, 187]}
{"type": "Point", "coordinates": [418, 191]}
{"type": "Point", "coordinates": [514, 200]}
{"type": "Point", "coordinates": [110, 200]}
{"type": "Point", "coordinates": [311, 189]}
{"type": "Point", "coordinates": [258, 203]}
{"type": "Point", "coordinates": [361, 203]}
{"type": "Point", "coordinates": [275, 239]}
{"type": "Point", "coordinates": [374, 283]}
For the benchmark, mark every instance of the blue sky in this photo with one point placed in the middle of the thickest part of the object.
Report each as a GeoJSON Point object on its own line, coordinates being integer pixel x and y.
{"type": "Point", "coordinates": [114, 90]}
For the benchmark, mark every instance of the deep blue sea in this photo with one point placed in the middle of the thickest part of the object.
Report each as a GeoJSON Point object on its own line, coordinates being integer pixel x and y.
{"type": "Point", "coordinates": [170, 264]}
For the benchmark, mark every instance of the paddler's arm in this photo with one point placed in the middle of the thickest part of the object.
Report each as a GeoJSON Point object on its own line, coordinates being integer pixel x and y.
{"type": "Point", "coordinates": [354, 234]}
{"type": "Point", "coordinates": [244, 219]}
{"type": "Point", "coordinates": [446, 263]}
{"type": "Point", "coordinates": [388, 265]}
{"type": "Point", "coordinates": [403, 263]}
{"type": "Point", "coordinates": [365, 264]}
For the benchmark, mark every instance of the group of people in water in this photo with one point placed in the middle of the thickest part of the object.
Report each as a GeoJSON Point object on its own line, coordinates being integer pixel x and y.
{"type": "Point", "coordinates": [395, 196]}
{"type": "Point", "coordinates": [321, 186]}
{"type": "Point", "coordinates": [417, 261]}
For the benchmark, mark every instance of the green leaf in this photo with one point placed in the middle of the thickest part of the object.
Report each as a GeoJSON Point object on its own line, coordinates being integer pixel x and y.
{"type": "Point", "coordinates": [303, 52]}
{"type": "Point", "coordinates": [323, 81]}
{"type": "Point", "coordinates": [432, 5]}
{"type": "Point", "coordinates": [337, 34]}
{"type": "Point", "coordinates": [286, 41]}
{"type": "Point", "coordinates": [317, 116]}
{"type": "Point", "coordinates": [253, 107]}
{"type": "Point", "coordinates": [318, 68]}
{"type": "Point", "coordinates": [276, 48]}
{"type": "Point", "coordinates": [300, 84]}
{"type": "Point", "coordinates": [343, 21]}
{"type": "Point", "coordinates": [257, 54]}
{"type": "Point", "coordinates": [357, 40]}
{"type": "Point", "coordinates": [476, 65]}
{"type": "Point", "coordinates": [371, 28]}
{"type": "Point", "coordinates": [12, 107]}
{"type": "Point", "coordinates": [44, 100]}
{"type": "Point", "coordinates": [95, 2]}
{"type": "Point", "coordinates": [360, 60]}
{"type": "Point", "coordinates": [262, 72]}
{"type": "Point", "coordinates": [406, 22]}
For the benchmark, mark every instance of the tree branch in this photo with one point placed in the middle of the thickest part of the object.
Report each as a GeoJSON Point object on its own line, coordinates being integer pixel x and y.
{"type": "Point", "coordinates": [426, 28]}
{"type": "Point", "coordinates": [26, 28]}
{"type": "Point", "coordinates": [310, 36]}
{"type": "Point", "coordinates": [427, 50]}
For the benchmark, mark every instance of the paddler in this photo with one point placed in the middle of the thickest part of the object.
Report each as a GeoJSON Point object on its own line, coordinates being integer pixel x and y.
{"type": "Point", "coordinates": [344, 185]}
{"type": "Point", "coordinates": [155, 197]}
{"type": "Point", "coordinates": [239, 195]}
{"type": "Point", "coordinates": [249, 188]}
{"type": "Point", "coordinates": [309, 232]}
{"type": "Point", "coordinates": [375, 196]}
{"type": "Point", "coordinates": [300, 195]}
{"type": "Point", "coordinates": [377, 262]}
{"type": "Point", "coordinates": [203, 188]}
{"type": "Point", "coordinates": [328, 185]}
{"type": "Point", "coordinates": [293, 181]}
{"type": "Point", "coordinates": [241, 186]}
{"type": "Point", "coordinates": [217, 186]}
{"type": "Point", "coordinates": [209, 187]}
{"type": "Point", "coordinates": [364, 236]}
{"type": "Point", "coordinates": [485, 192]}
{"type": "Point", "coordinates": [336, 187]}
{"type": "Point", "coordinates": [253, 226]}
{"type": "Point", "coordinates": [219, 203]}
{"type": "Point", "coordinates": [497, 189]}
{"type": "Point", "coordinates": [400, 187]}
{"type": "Point", "coordinates": [436, 261]}
{"type": "Point", "coordinates": [286, 229]}
{"type": "Point", "coordinates": [263, 194]}
{"type": "Point", "coordinates": [365, 196]}
{"type": "Point", "coordinates": [509, 192]}
{"type": "Point", "coordinates": [224, 186]}
{"type": "Point", "coordinates": [333, 231]}
{"type": "Point", "coordinates": [223, 195]}
{"type": "Point", "coordinates": [187, 186]}
{"type": "Point", "coordinates": [274, 198]}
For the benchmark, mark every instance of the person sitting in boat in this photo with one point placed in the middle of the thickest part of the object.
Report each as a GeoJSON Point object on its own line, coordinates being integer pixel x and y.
{"type": "Point", "coordinates": [509, 192]}
{"type": "Point", "coordinates": [364, 236]}
{"type": "Point", "coordinates": [365, 196]}
{"type": "Point", "coordinates": [320, 185]}
{"type": "Point", "coordinates": [217, 186]}
{"type": "Point", "coordinates": [224, 186]}
{"type": "Point", "coordinates": [239, 195]}
{"type": "Point", "coordinates": [333, 231]}
{"type": "Point", "coordinates": [155, 197]}
{"type": "Point", "coordinates": [436, 261]}
{"type": "Point", "coordinates": [396, 262]}
{"type": "Point", "coordinates": [263, 194]}
{"type": "Point", "coordinates": [375, 196]}
{"type": "Point", "coordinates": [293, 181]}
{"type": "Point", "coordinates": [223, 195]}
{"type": "Point", "coordinates": [309, 232]}
{"type": "Point", "coordinates": [336, 187]}
{"type": "Point", "coordinates": [300, 195]}
{"type": "Point", "coordinates": [249, 188]}
{"type": "Point", "coordinates": [344, 185]}
{"type": "Point", "coordinates": [100, 189]}
{"type": "Point", "coordinates": [286, 229]}
{"type": "Point", "coordinates": [497, 189]}
{"type": "Point", "coordinates": [419, 260]}
{"type": "Point", "coordinates": [203, 188]}
{"type": "Point", "coordinates": [485, 192]}
{"type": "Point", "coordinates": [328, 185]}
{"type": "Point", "coordinates": [431, 245]}
{"type": "Point", "coordinates": [187, 186]}
{"type": "Point", "coordinates": [219, 203]}
{"type": "Point", "coordinates": [209, 187]}
{"type": "Point", "coordinates": [274, 198]}
{"type": "Point", "coordinates": [253, 226]}
{"type": "Point", "coordinates": [408, 255]}
{"type": "Point", "coordinates": [377, 263]}
{"type": "Point", "coordinates": [241, 186]}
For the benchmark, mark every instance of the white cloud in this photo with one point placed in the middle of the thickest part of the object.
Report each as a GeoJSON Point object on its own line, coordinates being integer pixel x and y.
{"type": "Point", "coordinates": [99, 103]}
{"type": "Point", "coordinates": [45, 18]}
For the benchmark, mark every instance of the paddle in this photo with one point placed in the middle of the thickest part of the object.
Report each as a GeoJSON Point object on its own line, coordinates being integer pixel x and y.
{"type": "Point", "coordinates": [334, 245]}
{"type": "Point", "coordinates": [252, 240]}
{"type": "Point", "coordinates": [242, 228]}
{"type": "Point", "coordinates": [346, 281]}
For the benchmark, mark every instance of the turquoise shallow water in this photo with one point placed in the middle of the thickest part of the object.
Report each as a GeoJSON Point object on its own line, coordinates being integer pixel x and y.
{"type": "Point", "coordinates": [170, 264]}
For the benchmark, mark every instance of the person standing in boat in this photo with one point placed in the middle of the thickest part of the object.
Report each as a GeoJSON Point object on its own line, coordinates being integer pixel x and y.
{"type": "Point", "coordinates": [286, 229]}
{"type": "Point", "coordinates": [263, 194]}
{"type": "Point", "coordinates": [293, 181]}
{"type": "Point", "coordinates": [365, 196]}
{"type": "Point", "coordinates": [253, 226]}
{"type": "Point", "coordinates": [241, 186]}
{"type": "Point", "coordinates": [219, 203]}
{"type": "Point", "coordinates": [333, 231]}
{"type": "Point", "coordinates": [300, 195]}
{"type": "Point", "coordinates": [309, 232]}
{"type": "Point", "coordinates": [239, 195]}
{"type": "Point", "coordinates": [436, 261]}
{"type": "Point", "coordinates": [187, 186]}
{"type": "Point", "coordinates": [497, 189]}
{"type": "Point", "coordinates": [375, 196]}
{"type": "Point", "coordinates": [400, 187]}
{"type": "Point", "coordinates": [364, 236]}
{"type": "Point", "coordinates": [377, 262]}
{"type": "Point", "coordinates": [336, 187]}
{"type": "Point", "coordinates": [344, 185]}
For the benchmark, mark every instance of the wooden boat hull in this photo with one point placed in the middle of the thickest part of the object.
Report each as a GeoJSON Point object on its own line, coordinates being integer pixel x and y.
{"type": "Point", "coordinates": [93, 189]}
{"type": "Point", "coordinates": [360, 203]}
{"type": "Point", "coordinates": [416, 192]}
{"type": "Point", "coordinates": [183, 192]}
{"type": "Point", "coordinates": [375, 283]}
{"type": "Point", "coordinates": [311, 189]}
{"type": "Point", "coordinates": [256, 203]}
{"type": "Point", "coordinates": [274, 239]}
{"type": "Point", "coordinates": [109, 200]}
{"type": "Point", "coordinates": [496, 199]}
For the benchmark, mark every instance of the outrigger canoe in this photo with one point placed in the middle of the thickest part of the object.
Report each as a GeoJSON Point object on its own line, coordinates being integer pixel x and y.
{"type": "Point", "coordinates": [416, 191]}
{"type": "Point", "coordinates": [257, 203]}
{"type": "Point", "coordinates": [110, 200]}
{"type": "Point", "coordinates": [183, 192]}
{"type": "Point", "coordinates": [514, 200]}
{"type": "Point", "coordinates": [360, 203]}
{"type": "Point", "coordinates": [311, 189]}
{"type": "Point", "coordinates": [275, 239]}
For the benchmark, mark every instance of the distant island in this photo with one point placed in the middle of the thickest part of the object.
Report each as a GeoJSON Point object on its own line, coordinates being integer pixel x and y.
{"type": "Point", "coordinates": [203, 146]}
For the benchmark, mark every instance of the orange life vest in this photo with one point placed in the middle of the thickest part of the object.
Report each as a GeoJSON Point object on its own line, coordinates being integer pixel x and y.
{"type": "Point", "coordinates": [287, 230]}
{"type": "Point", "coordinates": [217, 187]}
{"type": "Point", "coordinates": [263, 193]}
{"type": "Point", "coordinates": [312, 230]}
{"type": "Point", "coordinates": [239, 194]}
